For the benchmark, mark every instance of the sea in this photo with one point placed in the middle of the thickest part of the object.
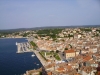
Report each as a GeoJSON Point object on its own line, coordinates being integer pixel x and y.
{"type": "Point", "coordinates": [12, 63]}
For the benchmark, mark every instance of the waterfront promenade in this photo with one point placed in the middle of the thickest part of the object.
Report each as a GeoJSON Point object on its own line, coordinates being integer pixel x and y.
{"type": "Point", "coordinates": [42, 60]}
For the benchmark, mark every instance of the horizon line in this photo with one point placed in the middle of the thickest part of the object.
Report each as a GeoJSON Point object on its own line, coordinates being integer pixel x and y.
{"type": "Point", "coordinates": [50, 26]}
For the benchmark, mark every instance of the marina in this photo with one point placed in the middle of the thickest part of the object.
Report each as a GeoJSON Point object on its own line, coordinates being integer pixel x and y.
{"type": "Point", "coordinates": [26, 47]}
{"type": "Point", "coordinates": [23, 47]}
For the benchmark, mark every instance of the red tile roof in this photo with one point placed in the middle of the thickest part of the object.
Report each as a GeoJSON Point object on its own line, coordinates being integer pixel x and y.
{"type": "Point", "coordinates": [69, 67]}
{"type": "Point", "coordinates": [87, 58]}
{"type": "Point", "coordinates": [69, 51]}
{"type": "Point", "coordinates": [60, 69]}
{"type": "Point", "coordinates": [49, 73]}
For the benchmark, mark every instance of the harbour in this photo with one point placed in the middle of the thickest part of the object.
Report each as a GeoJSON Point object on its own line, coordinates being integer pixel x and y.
{"type": "Point", "coordinates": [26, 47]}
{"type": "Point", "coordinates": [12, 63]}
{"type": "Point", "coordinates": [23, 47]}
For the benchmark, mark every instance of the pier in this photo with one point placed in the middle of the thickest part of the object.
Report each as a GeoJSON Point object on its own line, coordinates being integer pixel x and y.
{"type": "Point", "coordinates": [23, 47]}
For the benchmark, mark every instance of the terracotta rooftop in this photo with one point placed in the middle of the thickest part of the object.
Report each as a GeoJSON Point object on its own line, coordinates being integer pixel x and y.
{"type": "Point", "coordinates": [69, 51]}
{"type": "Point", "coordinates": [77, 74]}
{"type": "Point", "coordinates": [50, 65]}
{"type": "Point", "coordinates": [88, 69]}
{"type": "Point", "coordinates": [48, 60]}
{"type": "Point", "coordinates": [60, 69]}
{"type": "Point", "coordinates": [49, 73]}
{"type": "Point", "coordinates": [69, 67]}
{"type": "Point", "coordinates": [87, 58]}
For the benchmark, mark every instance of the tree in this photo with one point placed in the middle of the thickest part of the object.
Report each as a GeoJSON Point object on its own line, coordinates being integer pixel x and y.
{"type": "Point", "coordinates": [52, 51]}
{"type": "Point", "coordinates": [40, 73]}
{"type": "Point", "coordinates": [66, 48]}
{"type": "Point", "coordinates": [57, 51]}
{"type": "Point", "coordinates": [70, 45]}
{"type": "Point", "coordinates": [34, 45]}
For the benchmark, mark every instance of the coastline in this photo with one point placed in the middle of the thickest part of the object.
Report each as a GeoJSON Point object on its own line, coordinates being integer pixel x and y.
{"type": "Point", "coordinates": [9, 57]}
{"type": "Point", "coordinates": [14, 38]}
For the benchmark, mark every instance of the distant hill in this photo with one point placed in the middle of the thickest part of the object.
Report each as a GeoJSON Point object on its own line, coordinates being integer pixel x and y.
{"type": "Point", "coordinates": [49, 27]}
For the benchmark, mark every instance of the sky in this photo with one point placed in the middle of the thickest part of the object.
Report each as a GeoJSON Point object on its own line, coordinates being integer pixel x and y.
{"type": "Point", "coordinates": [41, 13]}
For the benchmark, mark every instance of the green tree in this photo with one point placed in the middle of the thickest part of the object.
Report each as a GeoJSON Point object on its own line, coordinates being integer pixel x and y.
{"type": "Point", "coordinates": [57, 51]}
{"type": "Point", "coordinates": [40, 73]}
{"type": "Point", "coordinates": [70, 45]}
{"type": "Point", "coordinates": [66, 48]}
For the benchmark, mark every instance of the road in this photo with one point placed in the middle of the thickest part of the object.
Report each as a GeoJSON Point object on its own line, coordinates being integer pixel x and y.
{"type": "Point", "coordinates": [62, 56]}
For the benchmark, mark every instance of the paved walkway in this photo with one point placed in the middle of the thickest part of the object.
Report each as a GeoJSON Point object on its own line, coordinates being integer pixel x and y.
{"type": "Point", "coordinates": [42, 60]}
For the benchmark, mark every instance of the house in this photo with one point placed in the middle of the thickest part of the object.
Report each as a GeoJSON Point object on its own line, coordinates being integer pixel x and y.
{"type": "Point", "coordinates": [88, 71]}
{"type": "Point", "coordinates": [94, 64]}
{"type": "Point", "coordinates": [69, 53]}
{"type": "Point", "coordinates": [79, 36]}
{"type": "Point", "coordinates": [77, 53]}
{"type": "Point", "coordinates": [85, 61]}
{"type": "Point", "coordinates": [60, 69]}
{"type": "Point", "coordinates": [87, 58]}
{"type": "Point", "coordinates": [93, 49]}
{"type": "Point", "coordinates": [50, 67]}
{"type": "Point", "coordinates": [91, 63]}
{"type": "Point", "coordinates": [73, 72]}
{"type": "Point", "coordinates": [49, 73]}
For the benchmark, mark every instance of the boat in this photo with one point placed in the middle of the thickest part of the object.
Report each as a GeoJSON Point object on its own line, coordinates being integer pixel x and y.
{"type": "Point", "coordinates": [37, 64]}
{"type": "Point", "coordinates": [16, 43]}
{"type": "Point", "coordinates": [32, 55]}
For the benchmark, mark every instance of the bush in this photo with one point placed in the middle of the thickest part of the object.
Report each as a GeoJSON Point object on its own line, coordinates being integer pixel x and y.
{"type": "Point", "coordinates": [57, 56]}
{"type": "Point", "coordinates": [57, 51]}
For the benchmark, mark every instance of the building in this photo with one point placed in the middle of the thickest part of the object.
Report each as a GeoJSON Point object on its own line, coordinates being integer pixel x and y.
{"type": "Point", "coordinates": [69, 53]}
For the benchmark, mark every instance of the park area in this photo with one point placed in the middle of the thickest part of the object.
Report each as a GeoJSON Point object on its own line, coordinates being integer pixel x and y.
{"type": "Point", "coordinates": [50, 55]}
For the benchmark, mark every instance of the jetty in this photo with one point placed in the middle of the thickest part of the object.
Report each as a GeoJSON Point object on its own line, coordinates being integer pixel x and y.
{"type": "Point", "coordinates": [23, 47]}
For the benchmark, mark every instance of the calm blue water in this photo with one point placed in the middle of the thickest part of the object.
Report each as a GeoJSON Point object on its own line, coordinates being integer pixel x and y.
{"type": "Point", "coordinates": [12, 63]}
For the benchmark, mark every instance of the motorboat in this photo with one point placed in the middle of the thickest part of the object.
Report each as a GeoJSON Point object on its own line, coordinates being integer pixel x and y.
{"type": "Point", "coordinates": [37, 64]}
{"type": "Point", "coordinates": [32, 55]}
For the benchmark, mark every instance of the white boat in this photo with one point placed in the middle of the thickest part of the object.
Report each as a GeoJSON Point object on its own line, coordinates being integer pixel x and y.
{"type": "Point", "coordinates": [32, 55]}
{"type": "Point", "coordinates": [37, 64]}
{"type": "Point", "coordinates": [16, 43]}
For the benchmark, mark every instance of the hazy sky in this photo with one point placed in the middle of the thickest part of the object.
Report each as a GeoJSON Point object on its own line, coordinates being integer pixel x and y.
{"type": "Point", "coordinates": [38, 13]}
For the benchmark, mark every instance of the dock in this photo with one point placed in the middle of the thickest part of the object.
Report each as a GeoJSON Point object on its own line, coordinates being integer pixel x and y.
{"type": "Point", "coordinates": [23, 47]}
